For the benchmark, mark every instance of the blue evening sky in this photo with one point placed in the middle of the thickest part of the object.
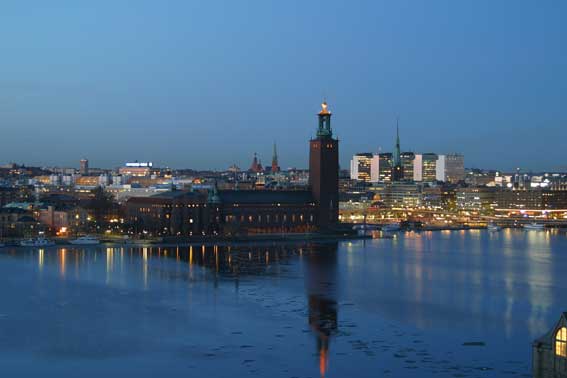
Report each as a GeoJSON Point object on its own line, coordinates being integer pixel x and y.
{"type": "Point", "coordinates": [205, 84]}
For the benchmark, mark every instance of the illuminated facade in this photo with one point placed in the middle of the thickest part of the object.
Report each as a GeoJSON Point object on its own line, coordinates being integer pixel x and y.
{"type": "Point", "coordinates": [429, 167]}
{"type": "Point", "coordinates": [549, 352]}
{"type": "Point", "coordinates": [454, 168]}
{"type": "Point", "coordinates": [407, 159]}
{"type": "Point", "coordinates": [476, 199]}
{"type": "Point", "coordinates": [399, 195]}
{"type": "Point", "coordinates": [361, 167]}
{"type": "Point", "coordinates": [385, 167]}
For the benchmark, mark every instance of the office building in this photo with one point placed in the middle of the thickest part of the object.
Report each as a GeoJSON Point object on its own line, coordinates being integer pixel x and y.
{"type": "Point", "coordinates": [454, 168]}
{"type": "Point", "coordinates": [84, 167]}
{"type": "Point", "coordinates": [361, 167]}
{"type": "Point", "coordinates": [385, 167]}
{"type": "Point", "coordinates": [482, 199]}
{"type": "Point", "coordinates": [399, 195]}
{"type": "Point", "coordinates": [407, 159]}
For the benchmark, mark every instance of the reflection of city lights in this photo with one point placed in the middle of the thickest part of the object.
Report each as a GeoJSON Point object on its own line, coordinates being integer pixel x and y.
{"type": "Point", "coordinates": [40, 258]}
{"type": "Point", "coordinates": [62, 262]}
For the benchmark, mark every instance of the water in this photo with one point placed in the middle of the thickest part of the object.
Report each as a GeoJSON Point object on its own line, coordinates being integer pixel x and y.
{"type": "Point", "coordinates": [402, 307]}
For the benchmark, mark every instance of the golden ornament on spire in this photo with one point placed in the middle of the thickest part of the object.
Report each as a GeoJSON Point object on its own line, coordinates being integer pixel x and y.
{"type": "Point", "coordinates": [324, 108]}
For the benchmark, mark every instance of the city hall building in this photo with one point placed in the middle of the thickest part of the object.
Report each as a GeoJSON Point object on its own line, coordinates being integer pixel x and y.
{"type": "Point", "coordinates": [237, 212]}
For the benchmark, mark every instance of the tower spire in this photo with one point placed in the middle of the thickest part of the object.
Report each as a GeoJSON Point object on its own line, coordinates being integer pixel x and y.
{"type": "Point", "coordinates": [324, 130]}
{"type": "Point", "coordinates": [397, 169]}
{"type": "Point", "coordinates": [275, 166]}
{"type": "Point", "coordinates": [398, 132]}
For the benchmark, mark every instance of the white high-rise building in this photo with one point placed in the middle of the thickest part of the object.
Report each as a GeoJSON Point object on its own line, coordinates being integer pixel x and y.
{"type": "Point", "coordinates": [418, 167]}
{"type": "Point", "coordinates": [361, 167]}
{"type": "Point", "coordinates": [440, 168]}
{"type": "Point", "coordinates": [375, 168]}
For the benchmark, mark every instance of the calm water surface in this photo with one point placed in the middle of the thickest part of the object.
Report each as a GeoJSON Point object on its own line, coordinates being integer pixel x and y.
{"type": "Point", "coordinates": [402, 307]}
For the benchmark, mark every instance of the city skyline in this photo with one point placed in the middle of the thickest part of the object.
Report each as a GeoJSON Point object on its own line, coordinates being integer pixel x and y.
{"type": "Point", "coordinates": [156, 90]}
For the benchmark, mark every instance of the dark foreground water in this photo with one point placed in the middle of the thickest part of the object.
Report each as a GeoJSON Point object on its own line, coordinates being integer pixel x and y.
{"type": "Point", "coordinates": [405, 307]}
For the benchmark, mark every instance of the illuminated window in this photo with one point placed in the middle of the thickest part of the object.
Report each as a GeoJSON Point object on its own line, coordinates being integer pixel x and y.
{"type": "Point", "coordinates": [561, 342]}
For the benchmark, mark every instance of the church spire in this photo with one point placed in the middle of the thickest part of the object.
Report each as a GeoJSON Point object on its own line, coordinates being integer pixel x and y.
{"type": "Point", "coordinates": [396, 158]}
{"type": "Point", "coordinates": [397, 169]}
{"type": "Point", "coordinates": [275, 166]}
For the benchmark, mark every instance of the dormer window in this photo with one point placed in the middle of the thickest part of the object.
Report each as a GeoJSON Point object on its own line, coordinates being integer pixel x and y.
{"type": "Point", "coordinates": [561, 342]}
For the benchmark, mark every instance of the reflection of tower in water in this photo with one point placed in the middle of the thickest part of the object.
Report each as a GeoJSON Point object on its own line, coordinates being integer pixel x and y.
{"type": "Point", "coordinates": [321, 287]}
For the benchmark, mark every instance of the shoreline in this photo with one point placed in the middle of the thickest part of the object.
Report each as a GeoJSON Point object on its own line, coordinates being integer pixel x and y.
{"type": "Point", "coordinates": [255, 239]}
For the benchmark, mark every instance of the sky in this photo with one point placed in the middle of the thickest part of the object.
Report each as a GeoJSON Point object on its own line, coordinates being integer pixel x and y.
{"type": "Point", "coordinates": [205, 84]}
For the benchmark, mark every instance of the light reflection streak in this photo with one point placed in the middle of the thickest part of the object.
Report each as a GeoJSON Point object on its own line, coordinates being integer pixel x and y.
{"type": "Point", "coordinates": [145, 266]}
{"type": "Point", "coordinates": [40, 257]}
{"type": "Point", "coordinates": [109, 263]}
{"type": "Point", "coordinates": [62, 262]}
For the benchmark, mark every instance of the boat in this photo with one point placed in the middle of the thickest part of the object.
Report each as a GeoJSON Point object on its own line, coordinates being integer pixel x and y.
{"type": "Point", "coordinates": [493, 227]}
{"type": "Point", "coordinates": [365, 227]}
{"type": "Point", "coordinates": [533, 226]}
{"type": "Point", "coordinates": [391, 227]}
{"type": "Point", "coordinates": [85, 240]}
{"type": "Point", "coordinates": [37, 242]}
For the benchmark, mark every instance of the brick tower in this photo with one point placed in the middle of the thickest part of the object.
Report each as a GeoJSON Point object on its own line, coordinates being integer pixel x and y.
{"type": "Point", "coordinates": [324, 171]}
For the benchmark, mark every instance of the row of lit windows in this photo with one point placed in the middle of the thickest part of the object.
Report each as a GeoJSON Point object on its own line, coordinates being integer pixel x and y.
{"type": "Point", "coordinates": [177, 205]}
{"type": "Point", "coordinates": [268, 218]}
{"type": "Point", "coordinates": [328, 145]}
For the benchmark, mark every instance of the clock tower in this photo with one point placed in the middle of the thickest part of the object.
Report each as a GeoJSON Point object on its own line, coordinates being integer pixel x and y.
{"type": "Point", "coordinates": [324, 171]}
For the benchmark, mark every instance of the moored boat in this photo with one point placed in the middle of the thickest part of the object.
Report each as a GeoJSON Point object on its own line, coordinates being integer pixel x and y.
{"type": "Point", "coordinates": [365, 227]}
{"type": "Point", "coordinates": [85, 240]}
{"type": "Point", "coordinates": [391, 227]}
{"type": "Point", "coordinates": [493, 227]}
{"type": "Point", "coordinates": [533, 226]}
{"type": "Point", "coordinates": [37, 242]}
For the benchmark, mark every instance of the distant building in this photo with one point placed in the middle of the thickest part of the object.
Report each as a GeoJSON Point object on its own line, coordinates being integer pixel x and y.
{"type": "Point", "coordinates": [232, 212]}
{"type": "Point", "coordinates": [266, 211]}
{"type": "Point", "coordinates": [425, 167]}
{"type": "Point", "coordinates": [480, 199]}
{"type": "Point", "coordinates": [454, 168]}
{"type": "Point", "coordinates": [275, 164]}
{"type": "Point", "coordinates": [173, 213]}
{"type": "Point", "coordinates": [15, 194]}
{"type": "Point", "coordinates": [441, 168]}
{"type": "Point", "coordinates": [385, 167]}
{"type": "Point", "coordinates": [256, 166]}
{"type": "Point", "coordinates": [406, 195]}
{"type": "Point", "coordinates": [549, 352]}
{"type": "Point", "coordinates": [407, 159]}
{"type": "Point", "coordinates": [535, 199]}
{"type": "Point", "coordinates": [87, 181]}
{"type": "Point", "coordinates": [136, 169]}
{"type": "Point", "coordinates": [84, 167]}
{"type": "Point", "coordinates": [361, 167]}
